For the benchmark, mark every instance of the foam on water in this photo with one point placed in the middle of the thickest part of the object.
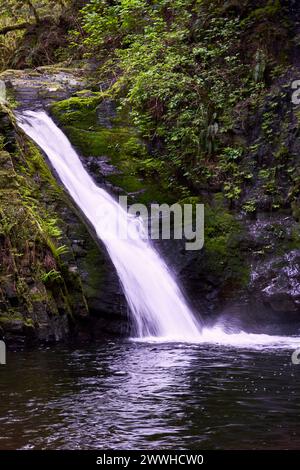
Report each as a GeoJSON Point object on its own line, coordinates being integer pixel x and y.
{"type": "Point", "coordinates": [219, 337]}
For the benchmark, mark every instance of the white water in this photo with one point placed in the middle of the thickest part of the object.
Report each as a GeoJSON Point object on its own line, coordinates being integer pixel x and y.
{"type": "Point", "coordinates": [242, 340]}
{"type": "Point", "coordinates": [158, 308]}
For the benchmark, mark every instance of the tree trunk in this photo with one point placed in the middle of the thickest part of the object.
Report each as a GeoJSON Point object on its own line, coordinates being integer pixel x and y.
{"type": "Point", "coordinates": [33, 10]}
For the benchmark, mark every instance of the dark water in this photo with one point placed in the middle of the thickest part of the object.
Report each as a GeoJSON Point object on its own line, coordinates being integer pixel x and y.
{"type": "Point", "coordinates": [138, 396]}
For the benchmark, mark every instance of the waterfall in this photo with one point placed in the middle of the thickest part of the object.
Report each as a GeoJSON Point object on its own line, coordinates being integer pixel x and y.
{"type": "Point", "coordinates": [158, 308]}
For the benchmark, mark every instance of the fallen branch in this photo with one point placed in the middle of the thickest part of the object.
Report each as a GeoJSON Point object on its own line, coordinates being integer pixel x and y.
{"type": "Point", "coordinates": [14, 27]}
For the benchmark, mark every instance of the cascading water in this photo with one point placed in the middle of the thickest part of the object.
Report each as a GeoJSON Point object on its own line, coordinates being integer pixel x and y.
{"type": "Point", "coordinates": [158, 308]}
{"type": "Point", "coordinates": [156, 303]}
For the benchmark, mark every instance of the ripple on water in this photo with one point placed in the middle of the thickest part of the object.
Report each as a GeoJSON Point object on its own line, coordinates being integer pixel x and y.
{"type": "Point", "coordinates": [134, 395]}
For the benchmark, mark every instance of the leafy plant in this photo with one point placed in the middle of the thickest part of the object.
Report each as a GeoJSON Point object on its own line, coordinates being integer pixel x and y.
{"type": "Point", "coordinates": [61, 250]}
{"type": "Point", "coordinates": [51, 276]}
{"type": "Point", "coordinates": [250, 206]}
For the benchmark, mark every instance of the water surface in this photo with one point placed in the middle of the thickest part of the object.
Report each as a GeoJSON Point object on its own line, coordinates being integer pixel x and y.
{"type": "Point", "coordinates": [128, 395]}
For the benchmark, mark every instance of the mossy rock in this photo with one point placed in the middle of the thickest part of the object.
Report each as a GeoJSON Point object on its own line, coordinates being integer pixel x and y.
{"type": "Point", "coordinates": [79, 117]}
{"type": "Point", "coordinates": [223, 252]}
{"type": "Point", "coordinates": [31, 240]}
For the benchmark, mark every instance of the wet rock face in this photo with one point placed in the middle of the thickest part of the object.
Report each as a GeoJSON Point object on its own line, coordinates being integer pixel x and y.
{"type": "Point", "coordinates": [269, 299]}
{"type": "Point", "coordinates": [33, 308]}
{"type": "Point", "coordinates": [101, 168]}
{"type": "Point", "coordinates": [278, 282]}
{"type": "Point", "coordinates": [43, 86]}
{"type": "Point", "coordinates": [100, 283]}
{"type": "Point", "coordinates": [88, 270]}
{"type": "Point", "coordinates": [106, 112]}
{"type": "Point", "coordinates": [270, 302]}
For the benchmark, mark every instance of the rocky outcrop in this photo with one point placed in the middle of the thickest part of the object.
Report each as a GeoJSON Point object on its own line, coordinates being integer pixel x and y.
{"type": "Point", "coordinates": [57, 283]}
{"type": "Point", "coordinates": [39, 298]}
{"type": "Point", "coordinates": [43, 85]}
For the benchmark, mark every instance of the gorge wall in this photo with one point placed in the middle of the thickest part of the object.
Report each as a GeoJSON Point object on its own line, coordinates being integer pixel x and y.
{"type": "Point", "coordinates": [210, 120]}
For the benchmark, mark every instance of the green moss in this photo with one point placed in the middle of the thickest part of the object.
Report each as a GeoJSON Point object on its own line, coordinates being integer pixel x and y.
{"type": "Point", "coordinates": [94, 264]}
{"type": "Point", "coordinates": [294, 241]}
{"type": "Point", "coordinates": [6, 319]}
{"type": "Point", "coordinates": [271, 9]}
{"type": "Point", "coordinates": [28, 322]}
{"type": "Point", "coordinates": [282, 153]}
{"type": "Point", "coordinates": [77, 109]}
{"type": "Point", "coordinates": [223, 256]}
{"type": "Point", "coordinates": [135, 175]}
{"type": "Point", "coordinates": [97, 143]}
{"type": "Point", "coordinates": [30, 235]}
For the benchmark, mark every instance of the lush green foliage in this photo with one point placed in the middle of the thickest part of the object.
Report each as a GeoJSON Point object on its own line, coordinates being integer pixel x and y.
{"type": "Point", "coordinates": [181, 70]}
{"type": "Point", "coordinates": [188, 72]}
{"type": "Point", "coordinates": [178, 75]}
